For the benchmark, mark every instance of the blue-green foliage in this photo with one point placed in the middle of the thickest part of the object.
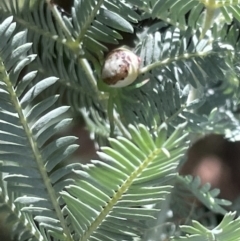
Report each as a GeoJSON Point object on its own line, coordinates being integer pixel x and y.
{"type": "Point", "coordinates": [50, 70]}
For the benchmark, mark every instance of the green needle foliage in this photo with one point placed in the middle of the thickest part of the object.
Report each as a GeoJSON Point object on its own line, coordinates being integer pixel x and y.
{"type": "Point", "coordinates": [228, 229]}
{"type": "Point", "coordinates": [50, 74]}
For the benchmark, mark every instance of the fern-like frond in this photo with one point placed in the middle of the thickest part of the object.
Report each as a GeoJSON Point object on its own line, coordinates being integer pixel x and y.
{"type": "Point", "coordinates": [172, 11]}
{"type": "Point", "coordinates": [38, 19]}
{"type": "Point", "coordinates": [193, 13]}
{"type": "Point", "coordinates": [92, 24]}
{"type": "Point", "coordinates": [220, 121]}
{"type": "Point", "coordinates": [229, 9]}
{"type": "Point", "coordinates": [110, 200]}
{"type": "Point", "coordinates": [223, 122]}
{"type": "Point", "coordinates": [95, 22]}
{"type": "Point", "coordinates": [184, 57]}
{"type": "Point", "coordinates": [74, 88]}
{"type": "Point", "coordinates": [64, 42]}
{"type": "Point", "coordinates": [152, 104]}
{"type": "Point", "coordinates": [204, 194]}
{"type": "Point", "coordinates": [24, 226]}
{"type": "Point", "coordinates": [228, 229]}
{"type": "Point", "coordinates": [171, 61]}
{"type": "Point", "coordinates": [191, 200]}
{"type": "Point", "coordinates": [31, 156]}
{"type": "Point", "coordinates": [95, 123]}
{"type": "Point", "coordinates": [176, 11]}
